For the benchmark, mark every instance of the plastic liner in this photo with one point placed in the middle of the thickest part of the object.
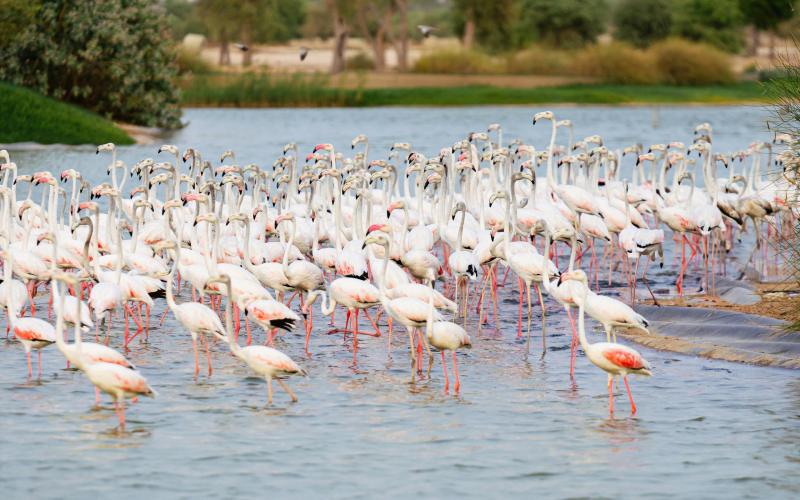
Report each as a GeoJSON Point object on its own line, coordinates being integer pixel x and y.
{"type": "Point", "coordinates": [725, 335]}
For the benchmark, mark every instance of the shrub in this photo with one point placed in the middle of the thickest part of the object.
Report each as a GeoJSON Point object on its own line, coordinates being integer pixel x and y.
{"type": "Point", "coordinates": [190, 62]}
{"type": "Point", "coordinates": [685, 63]}
{"type": "Point", "coordinates": [261, 89]}
{"type": "Point", "coordinates": [642, 22]}
{"type": "Point", "coordinates": [113, 57]}
{"type": "Point", "coordinates": [537, 60]}
{"type": "Point", "coordinates": [562, 23]}
{"type": "Point", "coordinates": [616, 63]}
{"type": "Point", "coordinates": [359, 62]}
{"type": "Point", "coordinates": [456, 61]}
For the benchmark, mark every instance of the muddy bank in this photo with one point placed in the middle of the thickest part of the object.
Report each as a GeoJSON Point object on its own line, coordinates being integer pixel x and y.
{"type": "Point", "coordinates": [717, 334]}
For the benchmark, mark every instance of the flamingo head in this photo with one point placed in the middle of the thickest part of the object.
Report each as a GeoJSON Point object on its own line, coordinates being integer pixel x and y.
{"type": "Point", "coordinates": [386, 228]}
{"type": "Point", "coordinates": [543, 115]}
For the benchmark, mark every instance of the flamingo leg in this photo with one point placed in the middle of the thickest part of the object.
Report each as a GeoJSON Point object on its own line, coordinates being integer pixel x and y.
{"type": "Point", "coordinates": [96, 396]}
{"type": "Point", "coordinates": [412, 353]}
{"type": "Point", "coordinates": [444, 369]}
{"type": "Point", "coordinates": [519, 317]}
{"type": "Point", "coordinates": [630, 396]}
{"type": "Point", "coordinates": [208, 355]}
{"type": "Point", "coordinates": [374, 325]}
{"type": "Point", "coordinates": [247, 327]}
{"type": "Point", "coordinates": [39, 362]}
{"type": "Point", "coordinates": [355, 339]}
{"type": "Point", "coordinates": [530, 313]}
{"type": "Point", "coordinates": [457, 386]}
{"type": "Point", "coordinates": [610, 396]}
{"type": "Point", "coordinates": [119, 406]}
{"type": "Point", "coordinates": [269, 390]}
{"type": "Point", "coordinates": [196, 358]}
{"type": "Point", "coordinates": [544, 315]}
{"type": "Point", "coordinates": [30, 371]}
{"type": "Point", "coordinates": [573, 345]}
{"type": "Point", "coordinates": [286, 388]}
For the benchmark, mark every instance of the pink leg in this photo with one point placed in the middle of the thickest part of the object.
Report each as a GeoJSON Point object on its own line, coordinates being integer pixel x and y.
{"type": "Point", "coordinates": [30, 371]}
{"type": "Point", "coordinates": [196, 359]}
{"type": "Point", "coordinates": [456, 387]}
{"type": "Point", "coordinates": [573, 346]}
{"type": "Point", "coordinates": [519, 317]}
{"type": "Point", "coordinates": [446, 379]}
{"type": "Point", "coordinates": [630, 396]}
{"type": "Point", "coordinates": [355, 338]}
{"type": "Point", "coordinates": [610, 396]}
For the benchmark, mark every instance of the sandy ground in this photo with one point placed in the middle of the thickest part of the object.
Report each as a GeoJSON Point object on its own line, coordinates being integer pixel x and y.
{"type": "Point", "coordinates": [778, 300]}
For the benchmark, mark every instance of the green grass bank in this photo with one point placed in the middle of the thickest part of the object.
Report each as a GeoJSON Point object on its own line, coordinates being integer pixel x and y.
{"type": "Point", "coordinates": [27, 116]}
{"type": "Point", "coordinates": [268, 91]}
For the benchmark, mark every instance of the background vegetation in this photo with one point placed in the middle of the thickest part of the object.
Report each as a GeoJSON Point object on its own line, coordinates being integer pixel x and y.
{"type": "Point", "coordinates": [36, 118]}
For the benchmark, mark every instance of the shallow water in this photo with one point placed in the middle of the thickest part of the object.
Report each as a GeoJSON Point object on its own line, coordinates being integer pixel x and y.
{"type": "Point", "coordinates": [519, 427]}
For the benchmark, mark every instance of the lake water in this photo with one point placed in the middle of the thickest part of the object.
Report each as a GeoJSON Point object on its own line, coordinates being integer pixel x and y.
{"type": "Point", "coordinates": [705, 429]}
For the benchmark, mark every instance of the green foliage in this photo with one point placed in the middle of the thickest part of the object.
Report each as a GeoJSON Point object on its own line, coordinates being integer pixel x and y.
{"type": "Point", "coordinates": [717, 22]}
{"type": "Point", "coordinates": [766, 14]}
{"type": "Point", "coordinates": [642, 22]}
{"type": "Point", "coordinates": [359, 62]}
{"type": "Point", "coordinates": [562, 23]}
{"type": "Point", "coordinates": [252, 21]}
{"type": "Point", "coordinates": [617, 63]}
{"type": "Point", "coordinates": [494, 21]}
{"type": "Point", "coordinates": [15, 17]}
{"type": "Point", "coordinates": [190, 62]}
{"type": "Point", "coordinates": [538, 60]}
{"type": "Point", "coordinates": [254, 89]}
{"type": "Point", "coordinates": [456, 61]}
{"type": "Point", "coordinates": [111, 57]}
{"type": "Point", "coordinates": [685, 63]}
{"type": "Point", "coordinates": [32, 117]}
{"type": "Point", "coordinates": [184, 18]}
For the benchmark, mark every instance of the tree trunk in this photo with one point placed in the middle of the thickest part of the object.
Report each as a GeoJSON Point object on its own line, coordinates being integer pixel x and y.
{"type": "Point", "coordinates": [401, 48]}
{"type": "Point", "coordinates": [755, 41]}
{"type": "Point", "coordinates": [224, 54]}
{"type": "Point", "coordinates": [469, 31]}
{"type": "Point", "coordinates": [339, 37]}
{"type": "Point", "coordinates": [247, 38]}
{"type": "Point", "coordinates": [772, 46]}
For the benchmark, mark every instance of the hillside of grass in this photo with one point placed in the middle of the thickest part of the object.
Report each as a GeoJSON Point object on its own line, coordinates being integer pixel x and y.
{"type": "Point", "coordinates": [27, 116]}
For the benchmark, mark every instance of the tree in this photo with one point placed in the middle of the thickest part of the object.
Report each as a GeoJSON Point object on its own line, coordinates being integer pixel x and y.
{"type": "Point", "coordinates": [113, 57]}
{"type": "Point", "coordinates": [565, 23]}
{"type": "Point", "coordinates": [642, 22]}
{"type": "Point", "coordinates": [765, 15]}
{"type": "Point", "coordinates": [251, 21]}
{"type": "Point", "coordinates": [488, 23]}
{"type": "Point", "coordinates": [338, 9]}
{"type": "Point", "coordinates": [374, 21]}
{"type": "Point", "coordinates": [717, 22]}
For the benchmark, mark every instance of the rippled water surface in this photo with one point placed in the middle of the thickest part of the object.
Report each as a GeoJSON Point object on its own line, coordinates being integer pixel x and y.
{"type": "Point", "coordinates": [519, 427]}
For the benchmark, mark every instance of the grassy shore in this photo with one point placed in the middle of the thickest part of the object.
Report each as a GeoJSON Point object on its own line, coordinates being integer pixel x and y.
{"type": "Point", "coordinates": [28, 116]}
{"type": "Point", "coordinates": [253, 90]}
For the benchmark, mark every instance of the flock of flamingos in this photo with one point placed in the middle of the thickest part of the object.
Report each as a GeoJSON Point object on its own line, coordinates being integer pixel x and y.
{"type": "Point", "coordinates": [369, 235]}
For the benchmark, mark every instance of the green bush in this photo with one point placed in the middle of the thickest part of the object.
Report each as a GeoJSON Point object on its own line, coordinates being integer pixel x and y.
{"type": "Point", "coordinates": [538, 60]}
{"type": "Point", "coordinates": [190, 62]}
{"type": "Point", "coordinates": [616, 63]}
{"type": "Point", "coordinates": [457, 61]}
{"type": "Point", "coordinates": [359, 62]}
{"type": "Point", "coordinates": [682, 62]}
{"type": "Point", "coordinates": [113, 57]}
{"type": "Point", "coordinates": [642, 22]}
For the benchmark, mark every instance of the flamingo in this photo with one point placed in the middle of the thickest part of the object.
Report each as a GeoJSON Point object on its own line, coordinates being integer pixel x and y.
{"type": "Point", "coordinates": [268, 362]}
{"type": "Point", "coordinates": [198, 318]}
{"type": "Point", "coordinates": [446, 336]}
{"type": "Point", "coordinates": [615, 359]}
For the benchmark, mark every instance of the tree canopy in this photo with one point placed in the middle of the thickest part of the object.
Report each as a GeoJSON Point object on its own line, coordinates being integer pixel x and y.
{"type": "Point", "coordinates": [113, 57]}
{"type": "Point", "coordinates": [717, 22]}
{"type": "Point", "coordinates": [566, 23]}
{"type": "Point", "coordinates": [642, 22]}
